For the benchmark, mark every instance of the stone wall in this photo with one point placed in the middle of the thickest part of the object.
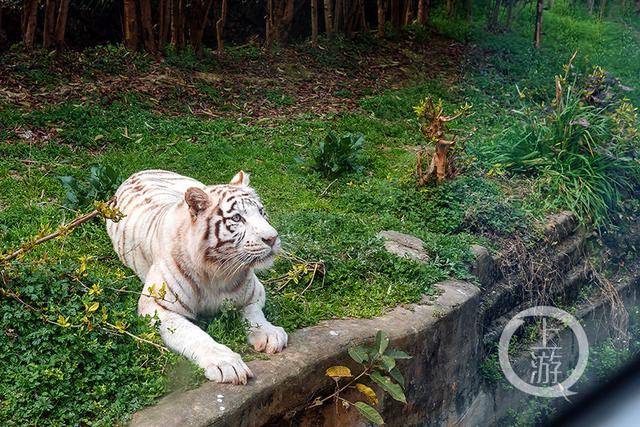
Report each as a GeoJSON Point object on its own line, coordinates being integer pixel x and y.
{"type": "Point", "coordinates": [448, 338]}
{"type": "Point", "coordinates": [443, 338]}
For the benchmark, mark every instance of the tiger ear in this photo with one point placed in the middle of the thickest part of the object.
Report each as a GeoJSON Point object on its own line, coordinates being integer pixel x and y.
{"type": "Point", "coordinates": [197, 200]}
{"type": "Point", "coordinates": [241, 178]}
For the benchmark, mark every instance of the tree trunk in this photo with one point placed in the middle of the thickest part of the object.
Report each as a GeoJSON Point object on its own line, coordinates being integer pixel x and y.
{"type": "Point", "coordinates": [381, 16]}
{"type": "Point", "coordinates": [279, 19]}
{"type": "Point", "coordinates": [61, 23]}
{"type": "Point", "coordinates": [314, 23]}
{"type": "Point", "coordinates": [422, 19]}
{"type": "Point", "coordinates": [286, 20]}
{"type": "Point", "coordinates": [354, 17]}
{"type": "Point", "coordinates": [269, 24]}
{"type": "Point", "coordinates": [48, 32]}
{"type": "Point", "coordinates": [395, 14]}
{"type": "Point", "coordinates": [348, 18]}
{"type": "Point", "coordinates": [29, 22]}
{"type": "Point", "coordinates": [164, 23]}
{"type": "Point", "coordinates": [340, 15]}
{"type": "Point", "coordinates": [3, 34]}
{"type": "Point", "coordinates": [177, 24]}
{"type": "Point", "coordinates": [174, 22]}
{"type": "Point", "coordinates": [537, 38]}
{"type": "Point", "coordinates": [469, 10]}
{"type": "Point", "coordinates": [198, 20]}
{"type": "Point", "coordinates": [220, 25]}
{"type": "Point", "coordinates": [590, 5]}
{"type": "Point", "coordinates": [408, 12]}
{"type": "Point", "coordinates": [492, 23]}
{"type": "Point", "coordinates": [328, 17]}
{"type": "Point", "coordinates": [509, 18]}
{"type": "Point", "coordinates": [363, 18]}
{"type": "Point", "coordinates": [450, 8]}
{"type": "Point", "coordinates": [130, 25]}
{"type": "Point", "coordinates": [603, 7]}
{"type": "Point", "coordinates": [146, 22]}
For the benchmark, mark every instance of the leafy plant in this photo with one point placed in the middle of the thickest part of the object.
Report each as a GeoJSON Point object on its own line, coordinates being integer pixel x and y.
{"type": "Point", "coordinates": [339, 154]}
{"type": "Point", "coordinates": [73, 349]}
{"type": "Point", "coordinates": [230, 324]}
{"type": "Point", "coordinates": [379, 366]}
{"type": "Point", "coordinates": [583, 156]}
{"type": "Point", "coordinates": [101, 184]}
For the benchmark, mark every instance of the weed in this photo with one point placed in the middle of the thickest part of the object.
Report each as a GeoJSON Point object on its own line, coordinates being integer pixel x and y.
{"type": "Point", "coordinates": [573, 149]}
{"type": "Point", "coordinates": [379, 366]}
{"type": "Point", "coordinates": [336, 155]}
{"type": "Point", "coordinates": [73, 363]}
{"type": "Point", "coordinates": [434, 127]}
{"type": "Point", "coordinates": [230, 326]}
{"type": "Point", "coordinates": [102, 183]}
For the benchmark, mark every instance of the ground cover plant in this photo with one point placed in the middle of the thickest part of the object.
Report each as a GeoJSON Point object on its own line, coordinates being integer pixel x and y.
{"type": "Point", "coordinates": [113, 110]}
{"type": "Point", "coordinates": [583, 148]}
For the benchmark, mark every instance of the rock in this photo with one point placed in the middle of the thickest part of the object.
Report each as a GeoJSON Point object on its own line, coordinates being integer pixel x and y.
{"type": "Point", "coordinates": [404, 245]}
{"type": "Point", "coordinates": [483, 266]}
{"type": "Point", "coordinates": [560, 225]}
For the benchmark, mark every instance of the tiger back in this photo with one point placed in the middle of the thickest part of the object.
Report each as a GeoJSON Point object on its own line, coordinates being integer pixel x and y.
{"type": "Point", "coordinates": [146, 199]}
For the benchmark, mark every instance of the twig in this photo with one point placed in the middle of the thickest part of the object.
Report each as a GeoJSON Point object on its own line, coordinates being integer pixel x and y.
{"type": "Point", "coordinates": [127, 291]}
{"type": "Point", "coordinates": [122, 331]}
{"type": "Point", "coordinates": [63, 229]}
{"type": "Point", "coordinates": [328, 186]}
{"type": "Point", "coordinates": [58, 232]}
{"type": "Point", "coordinates": [28, 306]}
{"type": "Point", "coordinates": [313, 276]}
{"type": "Point", "coordinates": [339, 390]}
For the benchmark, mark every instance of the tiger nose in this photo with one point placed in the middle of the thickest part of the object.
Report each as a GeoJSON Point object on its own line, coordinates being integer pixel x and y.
{"type": "Point", "coordinates": [270, 240]}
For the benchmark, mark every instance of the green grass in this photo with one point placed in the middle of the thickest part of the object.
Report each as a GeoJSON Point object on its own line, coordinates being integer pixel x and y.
{"type": "Point", "coordinates": [337, 226]}
{"type": "Point", "coordinates": [319, 219]}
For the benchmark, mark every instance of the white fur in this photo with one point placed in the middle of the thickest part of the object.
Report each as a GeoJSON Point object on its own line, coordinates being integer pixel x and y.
{"type": "Point", "coordinates": [171, 235]}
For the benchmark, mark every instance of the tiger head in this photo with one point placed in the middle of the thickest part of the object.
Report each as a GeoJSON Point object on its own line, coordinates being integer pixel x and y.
{"type": "Point", "coordinates": [234, 231]}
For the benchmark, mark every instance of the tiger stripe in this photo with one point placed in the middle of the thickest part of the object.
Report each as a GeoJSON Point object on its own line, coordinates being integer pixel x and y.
{"type": "Point", "coordinates": [203, 242]}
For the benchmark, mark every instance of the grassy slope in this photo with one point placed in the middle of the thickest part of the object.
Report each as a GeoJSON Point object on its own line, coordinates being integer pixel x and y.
{"type": "Point", "coordinates": [318, 220]}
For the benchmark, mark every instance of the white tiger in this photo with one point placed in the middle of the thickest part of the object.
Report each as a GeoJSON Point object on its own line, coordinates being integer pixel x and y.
{"type": "Point", "coordinates": [204, 243]}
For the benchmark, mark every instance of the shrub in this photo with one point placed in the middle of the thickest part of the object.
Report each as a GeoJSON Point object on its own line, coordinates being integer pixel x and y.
{"type": "Point", "coordinates": [584, 156]}
{"type": "Point", "coordinates": [339, 154]}
{"type": "Point", "coordinates": [102, 183]}
{"type": "Point", "coordinates": [65, 354]}
{"type": "Point", "coordinates": [378, 364]}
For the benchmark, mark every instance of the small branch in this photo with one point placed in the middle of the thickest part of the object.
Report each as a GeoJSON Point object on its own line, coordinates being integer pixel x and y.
{"type": "Point", "coordinates": [328, 186]}
{"type": "Point", "coordinates": [63, 229]}
{"type": "Point", "coordinates": [341, 389]}
{"type": "Point", "coordinates": [60, 231]}
{"type": "Point", "coordinates": [127, 291]}
{"type": "Point", "coordinates": [28, 306]}
{"type": "Point", "coordinates": [313, 276]}
{"type": "Point", "coordinates": [137, 338]}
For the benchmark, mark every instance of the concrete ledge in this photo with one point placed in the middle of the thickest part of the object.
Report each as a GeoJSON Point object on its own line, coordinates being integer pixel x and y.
{"type": "Point", "coordinates": [443, 338]}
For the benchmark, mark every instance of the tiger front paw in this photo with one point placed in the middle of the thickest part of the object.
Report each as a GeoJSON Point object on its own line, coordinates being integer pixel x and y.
{"type": "Point", "coordinates": [268, 338]}
{"type": "Point", "coordinates": [227, 368]}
